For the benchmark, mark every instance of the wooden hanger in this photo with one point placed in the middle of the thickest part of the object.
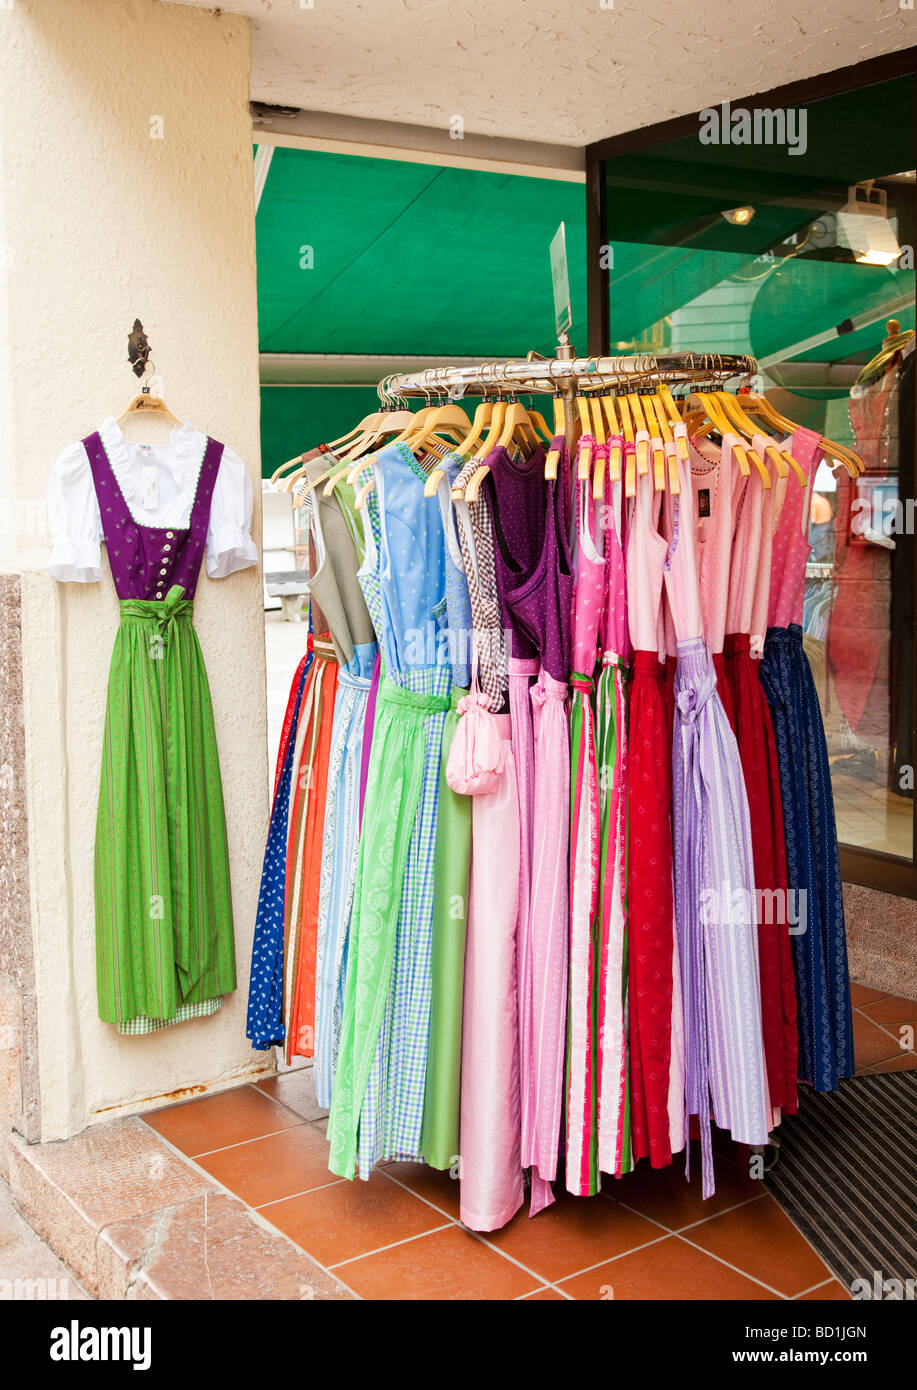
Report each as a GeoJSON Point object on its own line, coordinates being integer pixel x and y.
{"type": "Point", "coordinates": [741, 423]}
{"type": "Point", "coordinates": [560, 432]}
{"type": "Point", "coordinates": [541, 427]}
{"type": "Point", "coordinates": [296, 461]}
{"type": "Point", "coordinates": [584, 452]}
{"type": "Point", "coordinates": [672, 411]}
{"type": "Point", "coordinates": [514, 418]}
{"type": "Point", "coordinates": [657, 405]}
{"type": "Point", "coordinates": [598, 429]}
{"type": "Point", "coordinates": [448, 419]}
{"type": "Point", "coordinates": [470, 490]}
{"type": "Point", "coordinates": [643, 448]}
{"type": "Point", "coordinates": [614, 428]}
{"type": "Point", "coordinates": [145, 404]}
{"type": "Point", "coordinates": [762, 407]}
{"type": "Point", "coordinates": [655, 446]}
{"type": "Point", "coordinates": [718, 421]}
{"type": "Point", "coordinates": [770, 449]}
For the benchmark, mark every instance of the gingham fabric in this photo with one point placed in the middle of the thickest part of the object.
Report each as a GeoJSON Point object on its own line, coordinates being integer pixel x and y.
{"type": "Point", "coordinates": [136, 1027]}
{"type": "Point", "coordinates": [476, 536]}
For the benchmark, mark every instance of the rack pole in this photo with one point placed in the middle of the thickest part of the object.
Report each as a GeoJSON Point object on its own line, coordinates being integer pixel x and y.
{"type": "Point", "coordinates": [567, 373]}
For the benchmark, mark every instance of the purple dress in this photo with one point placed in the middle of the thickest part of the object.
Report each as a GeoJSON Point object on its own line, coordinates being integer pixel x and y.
{"type": "Point", "coordinates": [713, 877]}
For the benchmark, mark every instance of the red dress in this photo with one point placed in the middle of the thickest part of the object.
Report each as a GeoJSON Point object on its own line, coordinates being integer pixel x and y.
{"type": "Point", "coordinates": [650, 902]}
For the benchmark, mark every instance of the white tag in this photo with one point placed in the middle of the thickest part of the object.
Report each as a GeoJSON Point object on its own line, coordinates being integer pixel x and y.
{"type": "Point", "coordinates": [150, 488]}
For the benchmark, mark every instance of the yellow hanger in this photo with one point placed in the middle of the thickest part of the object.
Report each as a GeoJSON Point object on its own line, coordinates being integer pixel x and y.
{"type": "Point", "coordinates": [762, 407]}
{"type": "Point", "coordinates": [630, 472]}
{"type": "Point", "coordinates": [722, 426]}
{"type": "Point", "coordinates": [541, 426]}
{"type": "Point", "coordinates": [614, 450]}
{"type": "Point", "coordinates": [351, 434]}
{"type": "Point", "coordinates": [655, 403]}
{"type": "Point", "coordinates": [560, 431]}
{"type": "Point", "coordinates": [740, 421]}
{"type": "Point", "coordinates": [643, 448]}
{"type": "Point", "coordinates": [598, 429]}
{"type": "Point", "coordinates": [482, 418]}
{"type": "Point", "coordinates": [366, 424]}
{"type": "Point", "coordinates": [470, 491]}
{"type": "Point", "coordinates": [389, 422]}
{"type": "Point", "coordinates": [651, 425]}
{"type": "Point", "coordinates": [668, 401]}
{"type": "Point", "coordinates": [584, 453]}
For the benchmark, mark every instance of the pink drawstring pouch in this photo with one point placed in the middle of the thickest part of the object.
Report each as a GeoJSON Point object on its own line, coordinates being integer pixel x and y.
{"type": "Point", "coordinates": [476, 755]}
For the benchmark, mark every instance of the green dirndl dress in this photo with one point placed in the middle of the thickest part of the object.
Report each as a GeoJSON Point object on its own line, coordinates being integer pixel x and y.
{"type": "Point", "coordinates": [163, 904]}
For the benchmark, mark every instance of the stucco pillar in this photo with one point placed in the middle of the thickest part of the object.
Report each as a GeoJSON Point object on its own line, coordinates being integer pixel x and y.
{"type": "Point", "coordinates": [126, 191]}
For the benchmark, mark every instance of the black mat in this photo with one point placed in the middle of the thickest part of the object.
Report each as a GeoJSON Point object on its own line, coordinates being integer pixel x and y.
{"type": "Point", "coordinates": [847, 1176]}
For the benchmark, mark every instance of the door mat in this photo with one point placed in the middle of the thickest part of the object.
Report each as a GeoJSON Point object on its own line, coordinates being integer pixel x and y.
{"type": "Point", "coordinates": [847, 1177]}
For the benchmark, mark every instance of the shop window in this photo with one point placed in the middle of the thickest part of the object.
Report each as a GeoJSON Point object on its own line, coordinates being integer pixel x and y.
{"type": "Point", "coordinates": [783, 226]}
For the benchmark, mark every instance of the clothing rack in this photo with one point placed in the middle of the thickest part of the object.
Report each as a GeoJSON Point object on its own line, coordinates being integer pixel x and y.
{"type": "Point", "coordinates": [566, 374]}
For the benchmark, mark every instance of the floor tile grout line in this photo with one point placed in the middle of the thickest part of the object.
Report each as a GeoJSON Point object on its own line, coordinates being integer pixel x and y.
{"type": "Point", "coordinates": [587, 1269]}
{"type": "Point", "coordinates": [674, 1230]}
{"type": "Point", "coordinates": [737, 1206]}
{"type": "Point", "coordinates": [305, 1192]}
{"type": "Point", "coordinates": [398, 1183]}
{"type": "Point", "coordinates": [787, 1297]}
{"type": "Point", "coordinates": [477, 1235]}
{"type": "Point", "coordinates": [833, 1280]}
{"type": "Point", "coordinates": [392, 1245]}
{"type": "Point", "coordinates": [481, 1237]}
{"type": "Point", "coordinates": [255, 1139]}
{"type": "Point", "coordinates": [248, 1207]}
{"type": "Point", "coordinates": [546, 1284]}
{"type": "Point", "coordinates": [311, 1120]}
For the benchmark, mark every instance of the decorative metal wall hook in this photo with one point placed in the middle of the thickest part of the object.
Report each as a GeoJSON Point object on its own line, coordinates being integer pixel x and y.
{"type": "Point", "coordinates": [138, 349]}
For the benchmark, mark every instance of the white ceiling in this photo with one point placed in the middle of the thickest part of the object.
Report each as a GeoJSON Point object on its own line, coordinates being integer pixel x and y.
{"type": "Point", "coordinates": [565, 73]}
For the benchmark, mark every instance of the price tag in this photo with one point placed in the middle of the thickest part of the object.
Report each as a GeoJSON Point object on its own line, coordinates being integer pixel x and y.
{"type": "Point", "coordinates": [150, 488]}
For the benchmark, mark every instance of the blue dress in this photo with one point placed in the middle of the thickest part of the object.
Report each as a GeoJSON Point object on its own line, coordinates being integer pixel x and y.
{"type": "Point", "coordinates": [825, 1015]}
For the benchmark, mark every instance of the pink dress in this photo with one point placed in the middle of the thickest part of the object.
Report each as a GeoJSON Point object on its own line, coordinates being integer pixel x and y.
{"type": "Point", "coordinates": [718, 488]}
{"type": "Point", "coordinates": [585, 854]}
{"type": "Point", "coordinates": [613, 1111]}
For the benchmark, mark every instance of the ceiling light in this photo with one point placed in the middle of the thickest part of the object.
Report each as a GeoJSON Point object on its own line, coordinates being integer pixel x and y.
{"type": "Point", "coordinates": [863, 226]}
{"type": "Point", "coordinates": [739, 217]}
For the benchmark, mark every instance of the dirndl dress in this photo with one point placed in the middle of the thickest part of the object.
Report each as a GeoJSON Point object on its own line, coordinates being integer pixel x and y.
{"type": "Point", "coordinates": [163, 904]}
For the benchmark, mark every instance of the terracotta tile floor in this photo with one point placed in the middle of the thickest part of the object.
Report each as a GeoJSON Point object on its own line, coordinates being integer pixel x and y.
{"type": "Point", "coordinates": [399, 1236]}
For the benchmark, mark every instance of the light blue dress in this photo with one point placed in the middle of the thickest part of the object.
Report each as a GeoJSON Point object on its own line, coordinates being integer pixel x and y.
{"type": "Point", "coordinates": [377, 1105]}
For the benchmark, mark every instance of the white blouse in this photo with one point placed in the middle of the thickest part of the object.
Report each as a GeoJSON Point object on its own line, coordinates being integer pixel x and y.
{"type": "Point", "coordinates": [163, 497]}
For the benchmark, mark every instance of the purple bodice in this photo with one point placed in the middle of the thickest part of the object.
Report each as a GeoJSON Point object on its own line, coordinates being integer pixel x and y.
{"type": "Point", "coordinates": [541, 605]}
{"type": "Point", "coordinates": [518, 499]}
{"type": "Point", "coordinates": [146, 561]}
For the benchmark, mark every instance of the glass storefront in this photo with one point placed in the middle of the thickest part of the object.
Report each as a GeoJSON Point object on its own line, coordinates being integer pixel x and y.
{"type": "Point", "coordinates": [789, 233]}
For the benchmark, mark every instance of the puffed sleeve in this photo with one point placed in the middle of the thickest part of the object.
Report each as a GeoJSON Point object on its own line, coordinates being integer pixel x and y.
{"type": "Point", "coordinates": [229, 543]}
{"type": "Point", "coordinates": [73, 519]}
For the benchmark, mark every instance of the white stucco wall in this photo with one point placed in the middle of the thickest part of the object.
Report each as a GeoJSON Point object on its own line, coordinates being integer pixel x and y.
{"type": "Point", "coordinates": [100, 223]}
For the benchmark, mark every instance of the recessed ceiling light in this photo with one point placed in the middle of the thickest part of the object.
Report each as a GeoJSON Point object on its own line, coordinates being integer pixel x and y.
{"type": "Point", "coordinates": [739, 217]}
